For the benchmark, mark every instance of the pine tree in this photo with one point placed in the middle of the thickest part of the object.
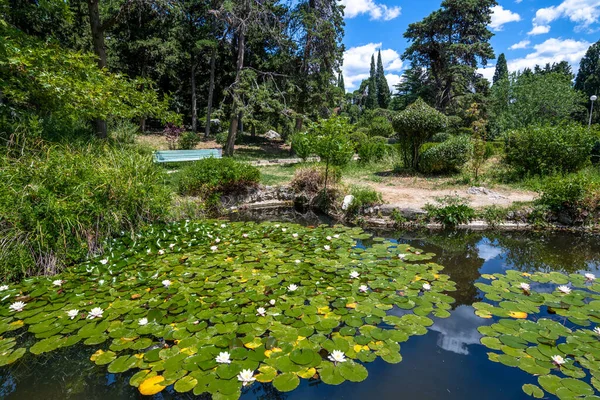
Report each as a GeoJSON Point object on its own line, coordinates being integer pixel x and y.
{"type": "Point", "coordinates": [372, 90]}
{"type": "Point", "coordinates": [501, 69]}
{"type": "Point", "coordinates": [383, 89]}
{"type": "Point", "coordinates": [588, 78]}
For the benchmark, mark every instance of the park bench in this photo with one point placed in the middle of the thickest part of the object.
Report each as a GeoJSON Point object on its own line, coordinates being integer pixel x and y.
{"type": "Point", "coordinates": [173, 156]}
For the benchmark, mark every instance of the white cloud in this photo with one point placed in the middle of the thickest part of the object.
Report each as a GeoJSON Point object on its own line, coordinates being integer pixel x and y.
{"type": "Point", "coordinates": [539, 30]}
{"type": "Point", "coordinates": [376, 11]}
{"type": "Point", "coordinates": [357, 64]}
{"type": "Point", "coordinates": [521, 45]}
{"type": "Point", "coordinates": [551, 51]}
{"type": "Point", "coordinates": [500, 17]}
{"type": "Point", "coordinates": [487, 72]}
{"type": "Point", "coordinates": [393, 80]}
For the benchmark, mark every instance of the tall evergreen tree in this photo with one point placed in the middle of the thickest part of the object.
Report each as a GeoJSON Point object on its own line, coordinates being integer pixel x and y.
{"type": "Point", "coordinates": [371, 102]}
{"type": "Point", "coordinates": [383, 89]}
{"type": "Point", "coordinates": [588, 78]}
{"type": "Point", "coordinates": [341, 83]}
{"type": "Point", "coordinates": [501, 69]}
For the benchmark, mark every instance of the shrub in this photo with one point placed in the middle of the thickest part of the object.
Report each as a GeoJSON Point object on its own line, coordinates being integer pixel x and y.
{"type": "Point", "coordinates": [494, 215]}
{"type": "Point", "coordinates": [188, 141]}
{"type": "Point", "coordinates": [364, 197]}
{"type": "Point", "coordinates": [212, 178]}
{"type": "Point", "coordinates": [373, 150]}
{"type": "Point", "coordinates": [380, 126]}
{"type": "Point", "coordinates": [440, 137]}
{"type": "Point", "coordinates": [302, 145]}
{"type": "Point", "coordinates": [123, 131]}
{"type": "Point", "coordinates": [415, 126]}
{"type": "Point", "coordinates": [311, 180]}
{"type": "Point", "coordinates": [358, 137]}
{"type": "Point", "coordinates": [568, 193]}
{"type": "Point", "coordinates": [450, 211]}
{"type": "Point", "coordinates": [596, 153]}
{"type": "Point", "coordinates": [543, 150]}
{"type": "Point", "coordinates": [447, 157]}
{"type": "Point", "coordinates": [61, 203]}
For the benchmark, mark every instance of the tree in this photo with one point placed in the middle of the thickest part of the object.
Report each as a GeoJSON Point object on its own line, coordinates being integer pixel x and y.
{"type": "Point", "coordinates": [341, 84]}
{"type": "Point", "coordinates": [588, 78]}
{"type": "Point", "coordinates": [415, 84]}
{"type": "Point", "coordinates": [501, 69]}
{"type": "Point", "coordinates": [451, 43]}
{"type": "Point", "coordinates": [383, 89]}
{"type": "Point", "coordinates": [371, 101]}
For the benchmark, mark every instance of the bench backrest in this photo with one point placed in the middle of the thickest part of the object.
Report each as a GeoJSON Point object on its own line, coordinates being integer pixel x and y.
{"type": "Point", "coordinates": [185, 155]}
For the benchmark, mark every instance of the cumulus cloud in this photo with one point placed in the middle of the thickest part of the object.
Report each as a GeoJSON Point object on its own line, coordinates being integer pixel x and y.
{"type": "Point", "coordinates": [582, 12]}
{"type": "Point", "coordinates": [523, 44]}
{"type": "Point", "coordinates": [393, 80]}
{"type": "Point", "coordinates": [539, 30]}
{"type": "Point", "coordinates": [375, 10]}
{"type": "Point", "coordinates": [357, 64]}
{"type": "Point", "coordinates": [551, 51]}
{"type": "Point", "coordinates": [500, 17]}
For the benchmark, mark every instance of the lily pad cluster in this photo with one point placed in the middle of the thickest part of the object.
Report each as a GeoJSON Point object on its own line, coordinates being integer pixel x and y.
{"type": "Point", "coordinates": [562, 346]}
{"type": "Point", "coordinates": [212, 307]}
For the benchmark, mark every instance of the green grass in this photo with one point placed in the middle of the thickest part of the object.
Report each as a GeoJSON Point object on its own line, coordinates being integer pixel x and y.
{"type": "Point", "coordinates": [279, 174]}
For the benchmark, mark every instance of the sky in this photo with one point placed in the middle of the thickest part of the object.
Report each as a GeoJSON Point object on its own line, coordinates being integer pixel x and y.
{"type": "Point", "coordinates": [528, 32]}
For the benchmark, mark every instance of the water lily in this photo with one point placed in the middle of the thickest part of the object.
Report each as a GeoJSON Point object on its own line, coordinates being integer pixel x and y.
{"type": "Point", "coordinates": [3, 288]}
{"type": "Point", "coordinates": [525, 286]}
{"type": "Point", "coordinates": [95, 313]}
{"type": "Point", "coordinates": [283, 230]}
{"type": "Point", "coordinates": [17, 306]}
{"type": "Point", "coordinates": [73, 313]}
{"type": "Point", "coordinates": [161, 252]}
{"type": "Point", "coordinates": [590, 277]}
{"type": "Point", "coordinates": [223, 226]}
{"type": "Point", "coordinates": [597, 331]}
{"type": "Point", "coordinates": [337, 356]}
{"type": "Point", "coordinates": [354, 274]}
{"type": "Point", "coordinates": [57, 282]}
{"type": "Point", "coordinates": [336, 236]}
{"type": "Point", "coordinates": [172, 245]}
{"type": "Point", "coordinates": [217, 240]}
{"type": "Point", "coordinates": [104, 262]}
{"type": "Point", "coordinates": [297, 261]}
{"type": "Point", "coordinates": [214, 248]}
{"type": "Point", "coordinates": [328, 238]}
{"type": "Point", "coordinates": [101, 282]}
{"type": "Point", "coordinates": [261, 311]}
{"type": "Point", "coordinates": [272, 302]}
{"type": "Point", "coordinates": [295, 235]}
{"type": "Point", "coordinates": [564, 289]}
{"type": "Point", "coordinates": [363, 288]}
{"type": "Point", "coordinates": [292, 288]}
{"type": "Point", "coordinates": [246, 377]}
{"type": "Point", "coordinates": [245, 235]}
{"type": "Point", "coordinates": [558, 360]}
{"type": "Point", "coordinates": [426, 286]}
{"type": "Point", "coordinates": [143, 321]}
{"type": "Point", "coordinates": [327, 248]}
{"type": "Point", "coordinates": [166, 283]}
{"type": "Point", "coordinates": [402, 256]}
{"type": "Point", "coordinates": [223, 358]}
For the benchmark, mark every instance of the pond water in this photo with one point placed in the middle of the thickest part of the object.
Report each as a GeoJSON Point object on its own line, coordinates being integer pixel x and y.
{"type": "Point", "coordinates": [446, 363]}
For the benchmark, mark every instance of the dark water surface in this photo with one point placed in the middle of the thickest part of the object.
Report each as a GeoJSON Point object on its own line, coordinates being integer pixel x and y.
{"type": "Point", "coordinates": [447, 363]}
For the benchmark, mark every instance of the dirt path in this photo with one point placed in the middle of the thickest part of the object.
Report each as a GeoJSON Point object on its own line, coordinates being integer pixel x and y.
{"type": "Point", "coordinates": [409, 196]}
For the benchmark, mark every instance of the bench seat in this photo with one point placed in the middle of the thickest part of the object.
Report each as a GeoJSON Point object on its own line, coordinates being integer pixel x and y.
{"type": "Point", "coordinates": [173, 156]}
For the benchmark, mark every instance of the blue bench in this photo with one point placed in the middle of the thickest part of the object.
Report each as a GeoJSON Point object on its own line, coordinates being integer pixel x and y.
{"type": "Point", "coordinates": [173, 156]}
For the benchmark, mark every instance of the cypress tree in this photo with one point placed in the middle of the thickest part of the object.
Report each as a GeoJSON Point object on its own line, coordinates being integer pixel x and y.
{"type": "Point", "coordinates": [341, 83]}
{"type": "Point", "coordinates": [383, 89]}
{"type": "Point", "coordinates": [372, 88]}
{"type": "Point", "coordinates": [501, 69]}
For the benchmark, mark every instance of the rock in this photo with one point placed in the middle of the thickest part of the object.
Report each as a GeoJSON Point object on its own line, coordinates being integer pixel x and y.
{"type": "Point", "coordinates": [272, 135]}
{"type": "Point", "coordinates": [565, 219]}
{"type": "Point", "coordinates": [481, 191]}
{"type": "Point", "coordinates": [348, 200]}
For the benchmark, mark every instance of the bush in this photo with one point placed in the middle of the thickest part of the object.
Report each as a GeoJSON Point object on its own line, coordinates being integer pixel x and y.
{"type": "Point", "coordinates": [123, 131]}
{"type": "Point", "coordinates": [380, 126]}
{"type": "Point", "coordinates": [358, 137]}
{"type": "Point", "coordinates": [415, 126]}
{"type": "Point", "coordinates": [188, 141]}
{"type": "Point", "coordinates": [302, 145]}
{"type": "Point", "coordinates": [60, 204]}
{"type": "Point", "coordinates": [311, 180]}
{"type": "Point", "coordinates": [212, 178]}
{"type": "Point", "coordinates": [447, 157]}
{"type": "Point", "coordinates": [373, 150]}
{"type": "Point", "coordinates": [568, 193]}
{"type": "Point", "coordinates": [332, 141]}
{"type": "Point", "coordinates": [440, 137]}
{"type": "Point", "coordinates": [364, 197]}
{"type": "Point", "coordinates": [450, 211]}
{"type": "Point", "coordinates": [543, 150]}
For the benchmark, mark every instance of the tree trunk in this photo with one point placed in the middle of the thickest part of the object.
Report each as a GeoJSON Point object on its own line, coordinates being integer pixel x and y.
{"type": "Point", "coordinates": [253, 132]}
{"type": "Point", "coordinates": [233, 127]}
{"type": "Point", "coordinates": [143, 125]}
{"type": "Point", "coordinates": [241, 123]}
{"type": "Point", "coordinates": [211, 88]}
{"type": "Point", "coordinates": [100, 50]}
{"type": "Point", "coordinates": [194, 98]}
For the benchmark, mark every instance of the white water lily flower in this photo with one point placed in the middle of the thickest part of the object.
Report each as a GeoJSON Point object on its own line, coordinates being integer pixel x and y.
{"type": "Point", "coordinates": [161, 252]}
{"type": "Point", "coordinates": [336, 236]}
{"type": "Point", "coordinates": [564, 289]}
{"type": "Point", "coordinates": [143, 321]}
{"type": "Point", "coordinates": [246, 377]}
{"type": "Point", "coordinates": [101, 281]}
{"type": "Point", "coordinates": [148, 251]}
{"type": "Point", "coordinates": [17, 306]}
{"type": "Point", "coordinates": [363, 288]}
{"type": "Point", "coordinates": [327, 248]}
{"type": "Point", "coordinates": [283, 230]}
{"type": "Point", "coordinates": [223, 226]}
{"type": "Point", "coordinates": [558, 360]}
{"type": "Point", "coordinates": [3, 288]}
{"type": "Point", "coordinates": [277, 226]}
{"type": "Point", "coordinates": [261, 311]}
{"type": "Point", "coordinates": [337, 356]}
{"type": "Point", "coordinates": [73, 313]}
{"type": "Point", "coordinates": [245, 235]}
{"type": "Point", "coordinates": [297, 261]}
{"type": "Point", "coordinates": [426, 286]}
{"type": "Point", "coordinates": [597, 330]}
{"type": "Point", "coordinates": [272, 302]}
{"type": "Point", "coordinates": [295, 235]}
{"type": "Point", "coordinates": [95, 313]}
{"type": "Point", "coordinates": [166, 283]}
{"type": "Point", "coordinates": [525, 286]}
{"type": "Point", "coordinates": [402, 256]}
{"type": "Point", "coordinates": [104, 262]}
{"type": "Point", "coordinates": [217, 240]}
{"type": "Point", "coordinates": [292, 288]}
{"type": "Point", "coordinates": [328, 238]}
{"type": "Point", "coordinates": [354, 274]}
{"type": "Point", "coordinates": [57, 282]}
{"type": "Point", "coordinates": [590, 277]}
{"type": "Point", "coordinates": [223, 358]}
{"type": "Point", "coordinates": [214, 248]}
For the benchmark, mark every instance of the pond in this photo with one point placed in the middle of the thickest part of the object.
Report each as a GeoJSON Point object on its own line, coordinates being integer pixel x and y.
{"type": "Point", "coordinates": [448, 362]}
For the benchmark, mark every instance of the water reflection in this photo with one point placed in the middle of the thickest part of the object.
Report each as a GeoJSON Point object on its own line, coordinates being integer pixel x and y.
{"type": "Point", "coordinates": [459, 331]}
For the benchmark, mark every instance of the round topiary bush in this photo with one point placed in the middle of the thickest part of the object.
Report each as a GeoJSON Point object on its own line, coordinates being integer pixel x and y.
{"type": "Point", "coordinates": [447, 157]}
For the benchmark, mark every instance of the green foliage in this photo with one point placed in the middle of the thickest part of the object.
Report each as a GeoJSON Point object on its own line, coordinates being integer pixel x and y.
{"type": "Point", "coordinates": [415, 126]}
{"type": "Point", "coordinates": [380, 126]}
{"type": "Point", "coordinates": [188, 141]}
{"type": "Point", "coordinates": [494, 215]}
{"type": "Point", "coordinates": [60, 203]}
{"type": "Point", "coordinates": [212, 178]}
{"type": "Point", "coordinates": [302, 145]}
{"type": "Point", "coordinates": [373, 150]}
{"type": "Point", "coordinates": [364, 197]}
{"type": "Point", "coordinates": [501, 69]}
{"type": "Point", "coordinates": [542, 150]}
{"type": "Point", "coordinates": [446, 157]}
{"type": "Point", "coordinates": [569, 193]}
{"type": "Point", "coordinates": [332, 141]}
{"type": "Point", "coordinates": [588, 77]}
{"type": "Point", "coordinates": [358, 137]}
{"type": "Point", "coordinates": [121, 131]}
{"type": "Point", "coordinates": [450, 211]}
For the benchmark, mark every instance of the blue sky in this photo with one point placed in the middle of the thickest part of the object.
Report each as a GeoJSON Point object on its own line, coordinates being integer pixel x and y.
{"type": "Point", "coordinates": [529, 32]}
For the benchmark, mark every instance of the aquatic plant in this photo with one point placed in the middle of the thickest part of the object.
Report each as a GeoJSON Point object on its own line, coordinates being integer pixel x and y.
{"type": "Point", "coordinates": [271, 303]}
{"type": "Point", "coordinates": [560, 348]}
